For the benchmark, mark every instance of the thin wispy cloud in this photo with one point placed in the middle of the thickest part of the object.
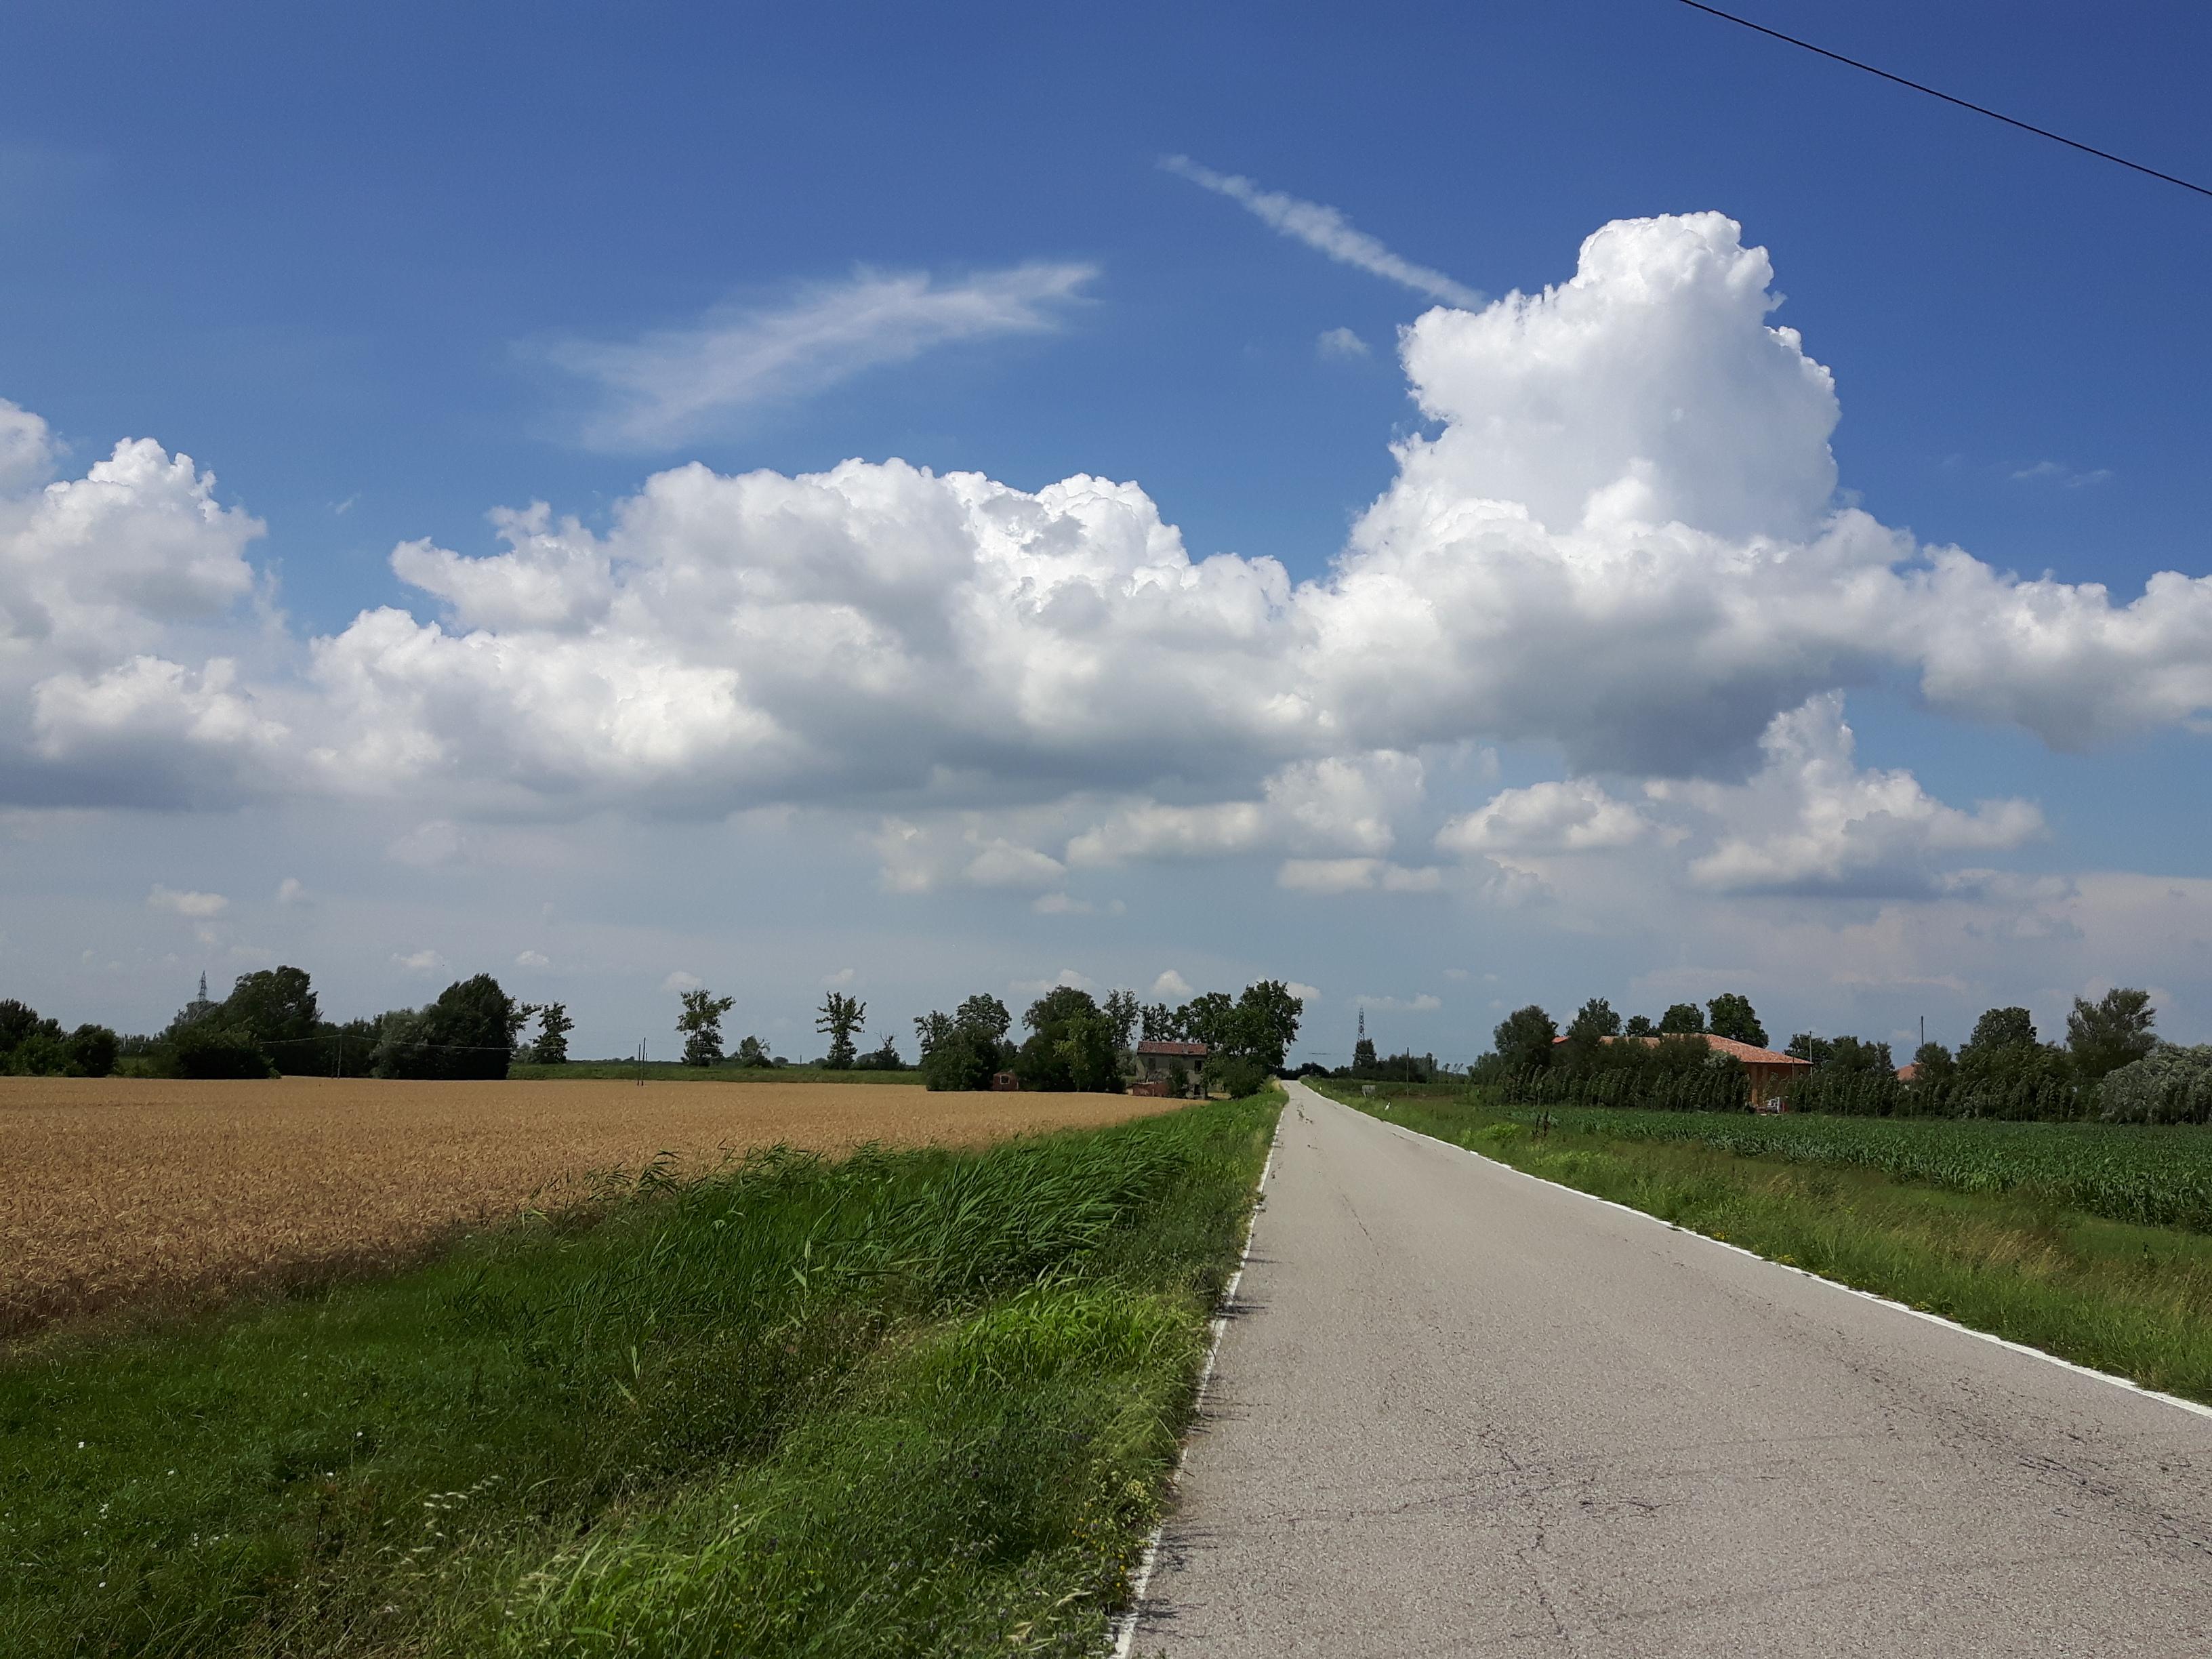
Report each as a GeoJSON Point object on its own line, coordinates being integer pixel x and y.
{"type": "Point", "coordinates": [2052, 472]}
{"type": "Point", "coordinates": [1325, 230]}
{"type": "Point", "coordinates": [1340, 343]}
{"type": "Point", "coordinates": [671, 385]}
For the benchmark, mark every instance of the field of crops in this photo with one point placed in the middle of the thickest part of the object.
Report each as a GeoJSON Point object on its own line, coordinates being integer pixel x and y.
{"type": "Point", "coordinates": [2162, 1177]}
{"type": "Point", "coordinates": [123, 1190]}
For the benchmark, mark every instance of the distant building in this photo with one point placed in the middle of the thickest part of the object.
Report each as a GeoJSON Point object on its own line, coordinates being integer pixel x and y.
{"type": "Point", "coordinates": [1768, 1069]}
{"type": "Point", "coordinates": [1157, 1062]}
{"type": "Point", "coordinates": [1005, 1082]}
{"type": "Point", "coordinates": [1908, 1071]}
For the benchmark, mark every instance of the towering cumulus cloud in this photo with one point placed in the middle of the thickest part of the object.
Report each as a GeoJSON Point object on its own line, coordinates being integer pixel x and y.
{"type": "Point", "coordinates": [1622, 538]}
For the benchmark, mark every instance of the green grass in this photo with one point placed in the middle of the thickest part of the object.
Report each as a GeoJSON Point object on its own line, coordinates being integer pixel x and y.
{"type": "Point", "coordinates": [669, 1071]}
{"type": "Point", "coordinates": [2015, 1259]}
{"type": "Point", "coordinates": [2160, 1175]}
{"type": "Point", "coordinates": [920, 1402]}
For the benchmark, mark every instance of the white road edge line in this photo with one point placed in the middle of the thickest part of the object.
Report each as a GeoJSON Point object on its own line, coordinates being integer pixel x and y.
{"type": "Point", "coordinates": [1125, 1635]}
{"type": "Point", "coordinates": [2131, 1386]}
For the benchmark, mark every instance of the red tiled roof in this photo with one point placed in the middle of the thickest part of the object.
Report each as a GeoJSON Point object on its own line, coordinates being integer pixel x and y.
{"type": "Point", "coordinates": [1748, 1053]}
{"type": "Point", "coordinates": [1192, 1050]}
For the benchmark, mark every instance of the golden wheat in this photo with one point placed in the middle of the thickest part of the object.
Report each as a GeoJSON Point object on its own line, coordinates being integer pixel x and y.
{"type": "Point", "coordinates": [128, 1190]}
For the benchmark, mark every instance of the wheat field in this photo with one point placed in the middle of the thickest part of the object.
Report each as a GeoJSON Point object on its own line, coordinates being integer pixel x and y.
{"type": "Point", "coordinates": [130, 1191]}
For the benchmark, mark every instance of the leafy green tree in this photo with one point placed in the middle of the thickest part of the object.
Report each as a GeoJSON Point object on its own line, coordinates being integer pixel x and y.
{"type": "Point", "coordinates": [700, 1025]}
{"type": "Point", "coordinates": [93, 1049]}
{"type": "Point", "coordinates": [965, 1057]}
{"type": "Point", "coordinates": [1932, 1063]}
{"type": "Point", "coordinates": [1997, 1030]}
{"type": "Point", "coordinates": [1523, 1038]}
{"type": "Point", "coordinates": [1806, 1046]}
{"type": "Point", "coordinates": [469, 1032]}
{"type": "Point", "coordinates": [1123, 1012]}
{"type": "Point", "coordinates": [1682, 1018]}
{"type": "Point", "coordinates": [1071, 1044]}
{"type": "Point", "coordinates": [985, 1013]}
{"type": "Point", "coordinates": [841, 1019]}
{"type": "Point", "coordinates": [1730, 1015]}
{"type": "Point", "coordinates": [1263, 1023]}
{"type": "Point", "coordinates": [554, 1026]}
{"type": "Point", "coordinates": [1207, 1019]}
{"type": "Point", "coordinates": [1161, 1023]}
{"type": "Point", "coordinates": [18, 1021]}
{"type": "Point", "coordinates": [278, 1005]}
{"type": "Point", "coordinates": [753, 1055]}
{"type": "Point", "coordinates": [882, 1058]}
{"type": "Point", "coordinates": [1640, 1025]}
{"type": "Point", "coordinates": [1589, 1032]}
{"type": "Point", "coordinates": [2111, 1032]}
{"type": "Point", "coordinates": [197, 1011]}
{"type": "Point", "coordinates": [31, 1045]}
{"type": "Point", "coordinates": [1851, 1054]}
{"type": "Point", "coordinates": [931, 1028]}
{"type": "Point", "coordinates": [209, 1048]}
{"type": "Point", "coordinates": [2169, 1085]}
{"type": "Point", "coordinates": [1594, 1018]}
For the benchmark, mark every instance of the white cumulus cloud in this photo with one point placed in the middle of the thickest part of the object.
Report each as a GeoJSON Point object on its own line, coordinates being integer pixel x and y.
{"type": "Point", "coordinates": [1355, 876]}
{"type": "Point", "coordinates": [1622, 540]}
{"type": "Point", "coordinates": [1575, 816]}
{"type": "Point", "coordinates": [197, 905]}
{"type": "Point", "coordinates": [1812, 820]}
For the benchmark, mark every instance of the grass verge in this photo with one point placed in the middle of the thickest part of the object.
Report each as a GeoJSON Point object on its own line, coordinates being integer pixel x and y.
{"type": "Point", "coordinates": [2125, 1297]}
{"type": "Point", "coordinates": [911, 1403]}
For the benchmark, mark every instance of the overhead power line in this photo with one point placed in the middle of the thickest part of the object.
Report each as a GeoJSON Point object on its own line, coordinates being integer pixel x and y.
{"type": "Point", "coordinates": [1978, 109]}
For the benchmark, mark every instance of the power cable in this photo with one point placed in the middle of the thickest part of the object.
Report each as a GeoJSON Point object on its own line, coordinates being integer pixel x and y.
{"type": "Point", "coordinates": [1978, 109]}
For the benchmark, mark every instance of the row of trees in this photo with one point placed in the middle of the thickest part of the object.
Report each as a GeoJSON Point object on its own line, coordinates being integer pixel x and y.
{"type": "Point", "coordinates": [272, 1021]}
{"type": "Point", "coordinates": [1081, 1042]}
{"type": "Point", "coordinates": [842, 1019]}
{"type": "Point", "coordinates": [34, 1046]}
{"type": "Point", "coordinates": [2111, 1065]}
{"type": "Point", "coordinates": [1076, 1041]}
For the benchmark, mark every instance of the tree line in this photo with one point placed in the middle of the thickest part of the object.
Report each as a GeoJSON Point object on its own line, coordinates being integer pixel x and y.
{"type": "Point", "coordinates": [2111, 1066]}
{"type": "Point", "coordinates": [1075, 1041]}
{"type": "Point", "coordinates": [272, 1022]}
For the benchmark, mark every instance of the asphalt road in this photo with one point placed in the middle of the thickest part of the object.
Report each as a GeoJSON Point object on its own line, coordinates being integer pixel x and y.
{"type": "Point", "coordinates": [1460, 1411]}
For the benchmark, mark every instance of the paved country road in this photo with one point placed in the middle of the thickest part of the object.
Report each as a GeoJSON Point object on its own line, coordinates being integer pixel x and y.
{"type": "Point", "coordinates": [1460, 1411]}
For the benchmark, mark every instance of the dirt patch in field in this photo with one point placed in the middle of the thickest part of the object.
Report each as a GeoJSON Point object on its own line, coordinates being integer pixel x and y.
{"type": "Point", "coordinates": [125, 1191]}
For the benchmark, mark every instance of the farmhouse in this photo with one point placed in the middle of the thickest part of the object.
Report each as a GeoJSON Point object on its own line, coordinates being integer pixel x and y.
{"type": "Point", "coordinates": [1157, 1061]}
{"type": "Point", "coordinates": [1770, 1069]}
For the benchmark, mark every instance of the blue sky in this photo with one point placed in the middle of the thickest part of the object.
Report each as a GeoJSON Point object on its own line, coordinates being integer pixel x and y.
{"type": "Point", "coordinates": [341, 261]}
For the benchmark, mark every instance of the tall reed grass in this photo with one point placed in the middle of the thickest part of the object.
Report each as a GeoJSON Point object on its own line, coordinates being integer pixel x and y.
{"type": "Point", "coordinates": [905, 1402]}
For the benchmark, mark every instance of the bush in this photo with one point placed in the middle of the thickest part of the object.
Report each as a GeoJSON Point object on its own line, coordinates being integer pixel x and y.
{"type": "Point", "coordinates": [468, 1033]}
{"type": "Point", "coordinates": [966, 1058]}
{"type": "Point", "coordinates": [2169, 1085]}
{"type": "Point", "coordinates": [1238, 1075]}
{"type": "Point", "coordinates": [93, 1049]}
{"type": "Point", "coordinates": [208, 1050]}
